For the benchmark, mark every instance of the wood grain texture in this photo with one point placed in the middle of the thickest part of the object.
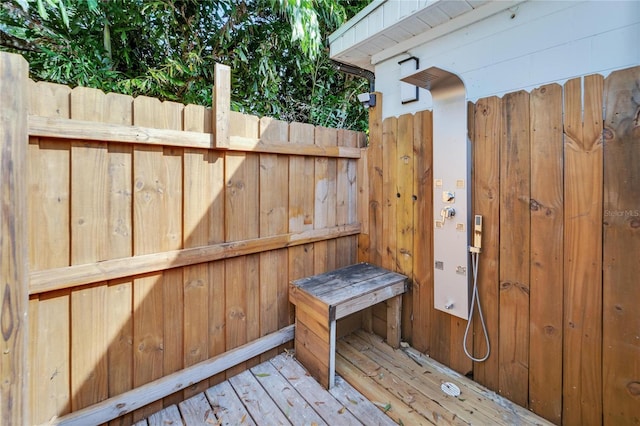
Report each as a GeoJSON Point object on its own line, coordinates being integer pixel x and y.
{"type": "Point", "coordinates": [547, 216]}
{"type": "Point", "coordinates": [582, 334]}
{"type": "Point", "coordinates": [89, 222]}
{"type": "Point", "coordinates": [389, 193]}
{"type": "Point", "coordinates": [405, 227]}
{"type": "Point", "coordinates": [621, 245]}
{"type": "Point", "coordinates": [221, 108]}
{"type": "Point", "coordinates": [423, 239]}
{"type": "Point", "coordinates": [514, 248]}
{"type": "Point", "coordinates": [375, 179]}
{"type": "Point", "coordinates": [14, 140]}
{"type": "Point", "coordinates": [48, 215]}
{"type": "Point", "coordinates": [202, 186]}
{"type": "Point", "coordinates": [486, 202]}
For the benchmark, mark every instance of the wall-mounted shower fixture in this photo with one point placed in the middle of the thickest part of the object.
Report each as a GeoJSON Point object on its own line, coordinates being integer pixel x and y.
{"type": "Point", "coordinates": [451, 192]}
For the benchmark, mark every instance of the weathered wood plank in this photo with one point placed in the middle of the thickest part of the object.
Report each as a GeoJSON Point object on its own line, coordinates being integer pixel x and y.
{"type": "Point", "coordinates": [514, 248]}
{"type": "Point", "coordinates": [486, 202]}
{"type": "Point", "coordinates": [322, 402]}
{"type": "Point", "coordinates": [358, 405]}
{"type": "Point", "coordinates": [156, 390]}
{"type": "Point", "coordinates": [59, 130]}
{"type": "Point", "coordinates": [168, 416]}
{"type": "Point", "coordinates": [196, 411]}
{"type": "Point", "coordinates": [621, 322]}
{"type": "Point", "coordinates": [290, 402]}
{"type": "Point", "coordinates": [14, 96]}
{"type": "Point", "coordinates": [73, 276]}
{"type": "Point", "coordinates": [383, 398]}
{"type": "Point", "coordinates": [547, 208]}
{"type": "Point", "coordinates": [582, 332]}
{"type": "Point", "coordinates": [256, 399]}
{"type": "Point", "coordinates": [227, 407]}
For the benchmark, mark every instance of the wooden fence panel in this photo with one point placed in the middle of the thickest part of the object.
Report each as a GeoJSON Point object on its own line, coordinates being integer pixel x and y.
{"type": "Point", "coordinates": [621, 247]}
{"type": "Point", "coordinates": [107, 201]}
{"type": "Point", "coordinates": [582, 334]}
{"type": "Point", "coordinates": [546, 275]}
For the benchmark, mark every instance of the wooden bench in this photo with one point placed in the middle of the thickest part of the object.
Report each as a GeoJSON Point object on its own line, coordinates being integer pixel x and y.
{"type": "Point", "coordinates": [323, 299]}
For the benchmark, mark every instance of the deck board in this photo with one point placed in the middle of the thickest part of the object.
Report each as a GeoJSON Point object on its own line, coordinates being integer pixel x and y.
{"type": "Point", "coordinates": [377, 385]}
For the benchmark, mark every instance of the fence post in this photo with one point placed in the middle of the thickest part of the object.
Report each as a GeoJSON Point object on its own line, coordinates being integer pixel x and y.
{"type": "Point", "coordinates": [14, 139]}
{"type": "Point", "coordinates": [221, 107]}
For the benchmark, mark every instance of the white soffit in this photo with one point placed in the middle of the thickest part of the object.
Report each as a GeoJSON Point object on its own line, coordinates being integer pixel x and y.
{"type": "Point", "coordinates": [387, 28]}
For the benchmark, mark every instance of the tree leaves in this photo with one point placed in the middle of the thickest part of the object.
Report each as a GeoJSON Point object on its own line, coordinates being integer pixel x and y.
{"type": "Point", "coordinates": [168, 49]}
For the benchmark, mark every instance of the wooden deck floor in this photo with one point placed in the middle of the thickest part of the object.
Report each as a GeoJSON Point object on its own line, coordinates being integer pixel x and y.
{"type": "Point", "coordinates": [409, 385]}
{"type": "Point", "coordinates": [376, 385]}
{"type": "Point", "coordinates": [276, 392]}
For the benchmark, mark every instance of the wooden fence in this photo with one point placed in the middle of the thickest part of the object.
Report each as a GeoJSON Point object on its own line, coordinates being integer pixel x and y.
{"type": "Point", "coordinates": [161, 235]}
{"type": "Point", "coordinates": [558, 185]}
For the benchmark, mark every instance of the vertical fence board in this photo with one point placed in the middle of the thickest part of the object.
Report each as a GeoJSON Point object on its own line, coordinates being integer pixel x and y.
{"type": "Point", "coordinates": [301, 189]}
{"type": "Point", "coordinates": [545, 356]}
{"type": "Point", "coordinates": [89, 214]}
{"type": "Point", "coordinates": [514, 248]}
{"type": "Point", "coordinates": [346, 200]}
{"type": "Point", "coordinates": [49, 240]}
{"type": "Point", "coordinates": [486, 202]}
{"type": "Point", "coordinates": [14, 139]}
{"type": "Point", "coordinates": [582, 333]}
{"type": "Point", "coordinates": [242, 222]}
{"type": "Point", "coordinates": [301, 203]}
{"type": "Point", "coordinates": [405, 228]}
{"type": "Point", "coordinates": [621, 247]}
{"type": "Point", "coordinates": [150, 236]}
{"type": "Point", "coordinates": [389, 192]}
{"type": "Point", "coordinates": [119, 110]}
{"type": "Point", "coordinates": [274, 197]}
{"type": "Point", "coordinates": [375, 178]}
{"type": "Point", "coordinates": [120, 337]}
{"type": "Point", "coordinates": [217, 314]}
{"type": "Point", "coordinates": [423, 222]}
{"type": "Point", "coordinates": [199, 173]}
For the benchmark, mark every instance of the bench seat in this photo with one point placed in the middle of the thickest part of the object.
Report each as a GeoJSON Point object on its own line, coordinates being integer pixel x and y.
{"type": "Point", "coordinates": [321, 300]}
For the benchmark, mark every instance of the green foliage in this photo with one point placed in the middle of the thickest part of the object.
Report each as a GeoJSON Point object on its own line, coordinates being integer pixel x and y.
{"type": "Point", "coordinates": [168, 48]}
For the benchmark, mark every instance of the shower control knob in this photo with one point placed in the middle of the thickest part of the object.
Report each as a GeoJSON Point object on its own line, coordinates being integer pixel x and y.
{"type": "Point", "coordinates": [448, 212]}
{"type": "Point", "coordinates": [449, 305]}
{"type": "Point", "coordinates": [448, 196]}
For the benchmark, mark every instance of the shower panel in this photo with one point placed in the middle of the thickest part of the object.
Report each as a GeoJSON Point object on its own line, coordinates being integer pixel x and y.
{"type": "Point", "coordinates": [451, 189]}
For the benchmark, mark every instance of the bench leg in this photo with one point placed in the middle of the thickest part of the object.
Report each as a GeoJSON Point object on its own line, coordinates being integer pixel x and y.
{"type": "Point", "coordinates": [394, 314]}
{"type": "Point", "coordinates": [332, 354]}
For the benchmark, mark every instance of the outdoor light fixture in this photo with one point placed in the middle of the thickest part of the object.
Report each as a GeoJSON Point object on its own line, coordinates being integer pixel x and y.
{"type": "Point", "coordinates": [367, 99]}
